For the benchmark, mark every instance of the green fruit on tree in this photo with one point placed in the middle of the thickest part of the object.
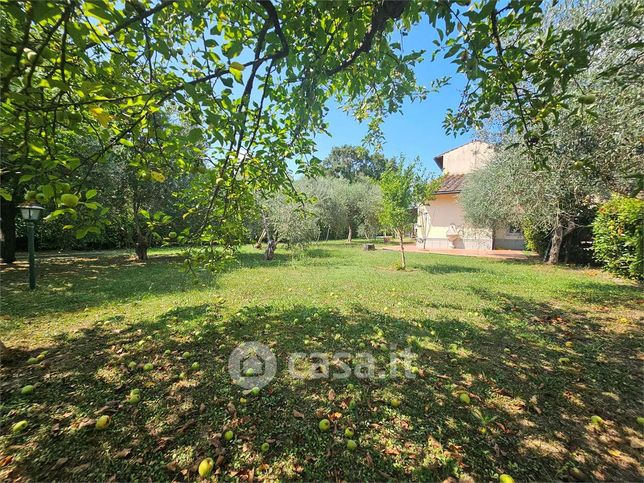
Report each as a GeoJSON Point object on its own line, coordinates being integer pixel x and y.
{"type": "Point", "coordinates": [27, 389]}
{"type": "Point", "coordinates": [265, 447]}
{"type": "Point", "coordinates": [103, 422]}
{"type": "Point", "coordinates": [219, 181]}
{"type": "Point", "coordinates": [148, 366]}
{"type": "Point", "coordinates": [505, 478]}
{"type": "Point", "coordinates": [172, 234]}
{"type": "Point", "coordinates": [351, 445]}
{"type": "Point", "coordinates": [69, 200]}
{"type": "Point", "coordinates": [465, 398]}
{"type": "Point", "coordinates": [205, 467]}
{"type": "Point", "coordinates": [228, 435]}
{"type": "Point", "coordinates": [30, 195]}
{"type": "Point", "coordinates": [324, 425]}
{"type": "Point", "coordinates": [19, 426]}
{"type": "Point", "coordinates": [41, 198]}
{"type": "Point", "coordinates": [255, 391]}
{"type": "Point", "coordinates": [348, 433]}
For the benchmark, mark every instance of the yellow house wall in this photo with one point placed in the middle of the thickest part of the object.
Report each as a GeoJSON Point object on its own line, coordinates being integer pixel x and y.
{"type": "Point", "coordinates": [465, 159]}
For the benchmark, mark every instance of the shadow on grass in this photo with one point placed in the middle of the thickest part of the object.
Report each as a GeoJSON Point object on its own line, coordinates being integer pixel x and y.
{"type": "Point", "coordinates": [66, 284]}
{"type": "Point", "coordinates": [508, 360]}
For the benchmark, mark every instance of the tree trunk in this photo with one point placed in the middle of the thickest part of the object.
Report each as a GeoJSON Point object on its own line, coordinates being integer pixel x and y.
{"type": "Point", "coordinates": [258, 245]}
{"type": "Point", "coordinates": [271, 245]}
{"type": "Point", "coordinates": [350, 237]}
{"type": "Point", "coordinates": [141, 249]}
{"type": "Point", "coordinates": [555, 244]}
{"type": "Point", "coordinates": [403, 263]}
{"type": "Point", "coordinates": [8, 230]}
{"type": "Point", "coordinates": [328, 229]}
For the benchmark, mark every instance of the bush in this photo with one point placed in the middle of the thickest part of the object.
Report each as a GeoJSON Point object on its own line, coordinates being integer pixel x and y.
{"type": "Point", "coordinates": [618, 236]}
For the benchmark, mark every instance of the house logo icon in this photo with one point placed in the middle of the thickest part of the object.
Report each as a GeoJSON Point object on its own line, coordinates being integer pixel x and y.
{"type": "Point", "coordinates": [252, 364]}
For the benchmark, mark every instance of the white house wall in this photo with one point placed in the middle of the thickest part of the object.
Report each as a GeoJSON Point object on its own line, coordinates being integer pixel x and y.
{"type": "Point", "coordinates": [446, 210]}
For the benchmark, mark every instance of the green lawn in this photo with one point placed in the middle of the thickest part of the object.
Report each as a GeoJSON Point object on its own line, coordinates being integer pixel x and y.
{"type": "Point", "coordinates": [538, 349]}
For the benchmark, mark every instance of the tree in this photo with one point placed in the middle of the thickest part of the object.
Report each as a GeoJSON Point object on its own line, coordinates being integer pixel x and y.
{"type": "Point", "coordinates": [103, 69]}
{"type": "Point", "coordinates": [590, 153]}
{"type": "Point", "coordinates": [349, 162]}
{"type": "Point", "coordinates": [404, 188]}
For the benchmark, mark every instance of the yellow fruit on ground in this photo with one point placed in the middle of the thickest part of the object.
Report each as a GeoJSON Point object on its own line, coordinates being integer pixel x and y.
{"type": "Point", "coordinates": [505, 479]}
{"type": "Point", "coordinates": [465, 398]}
{"type": "Point", "coordinates": [19, 426]}
{"type": "Point", "coordinates": [28, 389]}
{"type": "Point", "coordinates": [228, 435]}
{"type": "Point", "coordinates": [395, 402]}
{"type": "Point", "coordinates": [596, 420]}
{"type": "Point", "coordinates": [205, 467]}
{"type": "Point", "coordinates": [103, 422]}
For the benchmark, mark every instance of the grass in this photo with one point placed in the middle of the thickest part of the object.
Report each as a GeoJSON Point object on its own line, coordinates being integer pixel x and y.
{"type": "Point", "coordinates": [538, 349]}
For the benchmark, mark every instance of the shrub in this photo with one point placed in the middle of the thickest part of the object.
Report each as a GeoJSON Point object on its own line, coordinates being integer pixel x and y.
{"type": "Point", "coordinates": [618, 236]}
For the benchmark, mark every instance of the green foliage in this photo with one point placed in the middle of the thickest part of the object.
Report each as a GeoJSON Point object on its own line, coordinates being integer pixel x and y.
{"type": "Point", "coordinates": [618, 230]}
{"type": "Point", "coordinates": [247, 87]}
{"type": "Point", "coordinates": [349, 162]}
{"type": "Point", "coordinates": [404, 187]}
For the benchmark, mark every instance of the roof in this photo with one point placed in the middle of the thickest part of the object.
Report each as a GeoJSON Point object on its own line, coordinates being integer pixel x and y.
{"type": "Point", "coordinates": [452, 183]}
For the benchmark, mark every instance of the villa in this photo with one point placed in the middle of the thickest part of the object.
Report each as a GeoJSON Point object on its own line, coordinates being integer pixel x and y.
{"type": "Point", "coordinates": [441, 222]}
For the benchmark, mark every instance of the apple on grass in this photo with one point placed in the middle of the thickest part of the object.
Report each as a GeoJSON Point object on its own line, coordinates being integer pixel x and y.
{"type": "Point", "coordinates": [103, 422]}
{"type": "Point", "coordinates": [229, 435]}
{"type": "Point", "coordinates": [505, 478]}
{"type": "Point", "coordinates": [265, 447]}
{"type": "Point", "coordinates": [395, 402]}
{"type": "Point", "coordinates": [324, 425]}
{"type": "Point", "coordinates": [205, 467]}
{"type": "Point", "coordinates": [348, 433]}
{"type": "Point", "coordinates": [195, 366]}
{"type": "Point", "coordinates": [148, 366]}
{"type": "Point", "coordinates": [351, 445]}
{"type": "Point", "coordinates": [255, 391]}
{"type": "Point", "coordinates": [464, 398]}
{"type": "Point", "coordinates": [28, 389]}
{"type": "Point", "coordinates": [19, 426]}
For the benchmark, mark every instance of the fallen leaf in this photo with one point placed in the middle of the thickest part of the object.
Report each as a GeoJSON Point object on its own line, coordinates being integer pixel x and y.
{"type": "Point", "coordinates": [124, 453]}
{"type": "Point", "coordinates": [331, 395]}
{"type": "Point", "coordinates": [297, 414]}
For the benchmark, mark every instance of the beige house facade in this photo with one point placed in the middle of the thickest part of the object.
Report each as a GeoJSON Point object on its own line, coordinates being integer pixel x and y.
{"type": "Point", "coordinates": [441, 222]}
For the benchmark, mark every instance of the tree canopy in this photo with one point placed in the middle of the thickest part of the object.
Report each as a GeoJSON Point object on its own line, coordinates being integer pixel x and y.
{"type": "Point", "coordinates": [246, 84]}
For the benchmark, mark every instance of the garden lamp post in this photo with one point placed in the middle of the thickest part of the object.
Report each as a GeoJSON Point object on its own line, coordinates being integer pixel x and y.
{"type": "Point", "coordinates": [30, 212]}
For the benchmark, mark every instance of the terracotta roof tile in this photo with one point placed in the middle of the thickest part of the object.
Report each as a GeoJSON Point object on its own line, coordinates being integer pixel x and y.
{"type": "Point", "coordinates": [452, 183]}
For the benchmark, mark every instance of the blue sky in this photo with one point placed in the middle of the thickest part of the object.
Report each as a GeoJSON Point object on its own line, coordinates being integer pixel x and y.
{"type": "Point", "coordinates": [417, 131]}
